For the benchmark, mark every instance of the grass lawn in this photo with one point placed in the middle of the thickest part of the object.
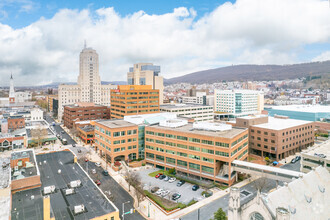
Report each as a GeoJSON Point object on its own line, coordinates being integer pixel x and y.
{"type": "Point", "coordinates": [153, 174]}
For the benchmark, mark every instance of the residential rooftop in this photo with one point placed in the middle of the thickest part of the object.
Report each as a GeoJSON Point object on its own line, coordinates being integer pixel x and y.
{"type": "Point", "coordinates": [280, 124]}
{"type": "Point", "coordinates": [62, 205]}
{"type": "Point", "coordinates": [26, 164]}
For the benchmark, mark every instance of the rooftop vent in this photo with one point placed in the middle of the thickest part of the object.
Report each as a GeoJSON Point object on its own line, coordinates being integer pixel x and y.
{"type": "Point", "coordinates": [79, 209]}
{"type": "Point", "coordinates": [49, 189]}
{"type": "Point", "coordinates": [75, 183]}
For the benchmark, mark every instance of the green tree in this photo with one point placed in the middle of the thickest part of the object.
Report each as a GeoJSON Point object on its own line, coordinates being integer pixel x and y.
{"type": "Point", "coordinates": [220, 215]}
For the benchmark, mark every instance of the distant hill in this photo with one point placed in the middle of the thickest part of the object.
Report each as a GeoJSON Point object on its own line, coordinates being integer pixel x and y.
{"type": "Point", "coordinates": [255, 72]}
{"type": "Point", "coordinates": [56, 84]}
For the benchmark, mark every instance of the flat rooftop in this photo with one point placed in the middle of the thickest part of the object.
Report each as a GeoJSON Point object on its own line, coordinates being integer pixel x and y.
{"type": "Point", "coordinates": [180, 106]}
{"type": "Point", "coordinates": [253, 116]}
{"type": "Point", "coordinates": [304, 108]}
{"type": "Point", "coordinates": [23, 169]}
{"type": "Point", "coordinates": [4, 172]}
{"type": "Point", "coordinates": [116, 123]}
{"type": "Point", "coordinates": [87, 128]}
{"type": "Point", "coordinates": [323, 148]}
{"type": "Point", "coordinates": [95, 202]}
{"type": "Point", "coordinates": [280, 124]}
{"type": "Point", "coordinates": [188, 128]}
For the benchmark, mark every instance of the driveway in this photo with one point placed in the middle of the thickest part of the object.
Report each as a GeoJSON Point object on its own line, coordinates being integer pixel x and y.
{"type": "Point", "coordinates": [187, 194]}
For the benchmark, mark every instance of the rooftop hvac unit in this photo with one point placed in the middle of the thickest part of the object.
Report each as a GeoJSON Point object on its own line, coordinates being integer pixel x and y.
{"type": "Point", "coordinates": [75, 183]}
{"type": "Point", "coordinates": [69, 191]}
{"type": "Point", "coordinates": [59, 171]}
{"type": "Point", "coordinates": [49, 189]}
{"type": "Point", "coordinates": [79, 209]}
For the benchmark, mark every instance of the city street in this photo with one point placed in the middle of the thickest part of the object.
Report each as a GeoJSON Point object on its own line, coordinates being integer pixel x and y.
{"type": "Point", "coordinates": [59, 129]}
{"type": "Point", "coordinates": [118, 194]}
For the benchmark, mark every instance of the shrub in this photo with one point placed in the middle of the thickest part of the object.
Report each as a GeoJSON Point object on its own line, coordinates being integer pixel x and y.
{"type": "Point", "coordinates": [206, 194]}
{"type": "Point", "coordinates": [160, 203]}
{"type": "Point", "coordinates": [143, 164]}
{"type": "Point", "coordinates": [171, 171]}
{"type": "Point", "coordinates": [117, 163]}
{"type": "Point", "coordinates": [266, 158]}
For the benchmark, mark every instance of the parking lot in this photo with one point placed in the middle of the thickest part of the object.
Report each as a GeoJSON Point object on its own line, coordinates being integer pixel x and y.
{"type": "Point", "coordinates": [187, 194]}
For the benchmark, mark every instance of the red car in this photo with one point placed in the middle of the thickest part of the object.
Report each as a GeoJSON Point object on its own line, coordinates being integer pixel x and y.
{"type": "Point", "coordinates": [158, 175]}
{"type": "Point", "coordinates": [86, 160]}
{"type": "Point", "coordinates": [98, 182]}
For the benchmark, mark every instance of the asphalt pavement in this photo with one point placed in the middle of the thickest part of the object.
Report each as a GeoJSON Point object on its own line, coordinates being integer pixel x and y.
{"type": "Point", "coordinates": [118, 194]}
{"type": "Point", "coordinates": [59, 130]}
{"type": "Point", "coordinates": [292, 166]}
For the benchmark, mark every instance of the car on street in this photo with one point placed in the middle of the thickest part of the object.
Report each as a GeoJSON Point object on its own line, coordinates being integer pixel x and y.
{"type": "Point", "coordinates": [154, 189]}
{"type": "Point", "coordinates": [86, 160]}
{"type": "Point", "coordinates": [172, 179]}
{"type": "Point", "coordinates": [293, 160]}
{"type": "Point", "coordinates": [79, 151]}
{"type": "Point", "coordinates": [165, 193]}
{"type": "Point", "coordinates": [180, 183]}
{"type": "Point", "coordinates": [167, 178]}
{"type": "Point", "coordinates": [73, 145]}
{"type": "Point", "coordinates": [105, 173]}
{"type": "Point", "coordinates": [195, 187]}
{"type": "Point", "coordinates": [162, 177]}
{"type": "Point", "coordinates": [93, 171]}
{"type": "Point", "coordinates": [98, 182]}
{"type": "Point", "coordinates": [158, 175]}
{"type": "Point", "coordinates": [62, 132]}
{"type": "Point", "coordinates": [176, 196]}
{"type": "Point", "coordinates": [98, 164]}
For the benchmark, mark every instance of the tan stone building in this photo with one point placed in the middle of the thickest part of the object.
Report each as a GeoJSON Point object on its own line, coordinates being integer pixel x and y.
{"type": "Point", "coordinates": [134, 100]}
{"type": "Point", "coordinates": [277, 137]}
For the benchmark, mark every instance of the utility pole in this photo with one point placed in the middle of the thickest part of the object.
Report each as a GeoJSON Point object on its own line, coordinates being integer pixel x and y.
{"type": "Point", "coordinates": [123, 211]}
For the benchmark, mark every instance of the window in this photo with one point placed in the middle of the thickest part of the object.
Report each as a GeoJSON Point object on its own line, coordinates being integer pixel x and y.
{"type": "Point", "coordinates": [181, 163]}
{"type": "Point", "coordinates": [117, 149]}
{"type": "Point", "coordinates": [208, 159]}
{"type": "Point", "coordinates": [170, 136]}
{"type": "Point", "coordinates": [207, 169]}
{"type": "Point", "coordinates": [123, 133]}
{"type": "Point", "coordinates": [116, 142]}
{"type": "Point", "coordinates": [192, 156]}
{"type": "Point", "coordinates": [170, 151]}
{"type": "Point", "coordinates": [194, 166]}
{"type": "Point", "coordinates": [170, 160]}
{"type": "Point", "coordinates": [182, 146]}
{"type": "Point", "coordinates": [159, 157]}
{"type": "Point", "coordinates": [220, 144]}
{"type": "Point", "coordinates": [207, 142]}
{"type": "Point", "coordinates": [194, 148]}
{"type": "Point", "coordinates": [116, 134]}
{"type": "Point", "coordinates": [208, 151]}
{"type": "Point", "coordinates": [182, 138]}
{"type": "Point", "coordinates": [181, 154]}
{"type": "Point", "coordinates": [196, 140]}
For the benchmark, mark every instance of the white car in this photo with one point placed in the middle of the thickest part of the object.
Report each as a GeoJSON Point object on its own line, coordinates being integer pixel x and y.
{"type": "Point", "coordinates": [98, 164]}
{"type": "Point", "coordinates": [172, 179]}
{"type": "Point", "coordinates": [93, 171]}
{"type": "Point", "coordinates": [164, 193]}
{"type": "Point", "coordinates": [159, 192]}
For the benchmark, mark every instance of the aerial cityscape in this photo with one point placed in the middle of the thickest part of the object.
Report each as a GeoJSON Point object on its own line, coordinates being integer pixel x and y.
{"type": "Point", "coordinates": [165, 110]}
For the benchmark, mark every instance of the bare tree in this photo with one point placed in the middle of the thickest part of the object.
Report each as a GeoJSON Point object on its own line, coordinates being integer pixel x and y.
{"type": "Point", "coordinates": [139, 192]}
{"type": "Point", "coordinates": [74, 132]}
{"type": "Point", "coordinates": [261, 183]}
{"type": "Point", "coordinates": [38, 134]}
{"type": "Point", "coordinates": [132, 178]}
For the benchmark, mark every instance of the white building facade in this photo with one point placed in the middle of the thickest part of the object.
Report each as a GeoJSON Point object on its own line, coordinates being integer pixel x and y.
{"type": "Point", "coordinates": [197, 112]}
{"type": "Point", "coordinates": [237, 103]}
{"type": "Point", "coordinates": [89, 88]}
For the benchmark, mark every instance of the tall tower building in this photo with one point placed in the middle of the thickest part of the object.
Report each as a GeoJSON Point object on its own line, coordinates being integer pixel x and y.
{"type": "Point", "coordinates": [89, 78]}
{"type": "Point", "coordinates": [146, 74]}
{"type": "Point", "coordinates": [11, 90]}
{"type": "Point", "coordinates": [88, 87]}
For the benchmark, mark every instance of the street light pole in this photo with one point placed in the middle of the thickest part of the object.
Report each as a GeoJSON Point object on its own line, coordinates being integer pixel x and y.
{"type": "Point", "coordinates": [123, 211]}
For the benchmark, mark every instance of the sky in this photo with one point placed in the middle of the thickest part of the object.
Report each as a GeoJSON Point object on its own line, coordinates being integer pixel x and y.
{"type": "Point", "coordinates": [40, 40]}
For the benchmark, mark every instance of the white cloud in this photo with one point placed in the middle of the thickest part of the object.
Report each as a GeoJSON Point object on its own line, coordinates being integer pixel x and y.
{"type": "Point", "coordinates": [249, 31]}
{"type": "Point", "coordinates": [322, 57]}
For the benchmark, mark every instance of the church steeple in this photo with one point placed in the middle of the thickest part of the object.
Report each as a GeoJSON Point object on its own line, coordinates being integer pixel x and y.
{"type": "Point", "coordinates": [11, 90]}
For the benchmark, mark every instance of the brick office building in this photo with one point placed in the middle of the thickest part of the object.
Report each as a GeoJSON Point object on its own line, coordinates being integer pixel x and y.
{"type": "Point", "coordinates": [277, 137]}
{"type": "Point", "coordinates": [15, 122]}
{"type": "Point", "coordinates": [84, 111]}
{"type": "Point", "coordinates": [134, 100]}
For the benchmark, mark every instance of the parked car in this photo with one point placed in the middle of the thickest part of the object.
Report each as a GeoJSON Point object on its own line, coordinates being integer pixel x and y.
{"type": "Point", "coordinates": [158, 175]}
{"type": "Point", "coordinates": [298, 158]}
{"type": "Point", "coordinates": [86, 160]}
{"type": "Point", "coordinates": [165, 193]}
{"type": "Point", "coordinates": [98, 164]}
{"type": "Point", "coordinates": [93, 171]}
{"type": "Point", "coordinates": [79, 151]}
{"type": "Point", "coordinates": [105, 173]}
{"type": "Point", "coordinates": [293, 160]}
{"type": "Point", "coordinates": [172, 179]}
{"type": "Point", "coordinates": [162, 177]}
{"type": "Point", "coordinates": [176, 196]}
{"type": "Point", "coordinates": [98, 182]}
{"type": "Point", "coordinates": [73, 145]}
{"type": "Point", "coordinates": [167, 178]}
{"type": "Point", "coordinates": [62, 132]}
{"type": "Point", "coordinates": [195, 187]}
{"type": "Point", "coordinates": [154, 189]}
{"type": "Point", "coordinates": [159, 192]}
{"type": "Point", "coordinates": [180, 183]}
